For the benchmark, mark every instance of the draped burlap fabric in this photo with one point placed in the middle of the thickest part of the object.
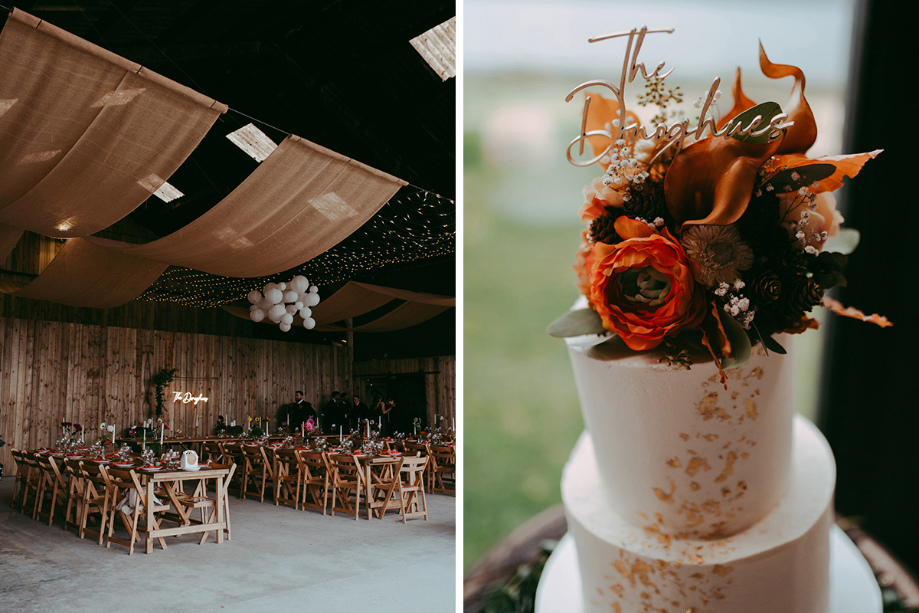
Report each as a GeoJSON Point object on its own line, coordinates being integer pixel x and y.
{"type": "Point", "coordinates": [355, 299]}
{"type": "Point", "coordinates": [87, 275]}
{"type": "Point", "coordinates": [85, 135]}
{"type": "Point", "coordinates": [301, 201]}
{"type": "Point", "coordinates": [403, 316]}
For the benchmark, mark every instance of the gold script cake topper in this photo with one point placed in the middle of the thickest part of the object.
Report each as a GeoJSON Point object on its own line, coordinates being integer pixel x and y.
{"type": "Point", "coordinates": [676, 133]}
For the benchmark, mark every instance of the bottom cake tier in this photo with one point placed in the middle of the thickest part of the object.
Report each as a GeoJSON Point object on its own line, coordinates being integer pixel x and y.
{"type": "Point", "coordinates": [779, 564]}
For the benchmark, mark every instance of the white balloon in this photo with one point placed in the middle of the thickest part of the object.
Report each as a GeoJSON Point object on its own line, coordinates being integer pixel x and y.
{"type": "Point", "coordinates": [290, 296]}
{"type": "Point", "coordinates": [285, 327]}
{"type": "Point", "coordinates": [287, 318]}
{"type": "Point", "coordinates": [282, 286]}
{"type": "Point", "coordinates": [305, 312]}
{"type": "Point", "coordinates": [252, 307]}
{"type": "Point", "coordinates": [257, 315]}
{"type": "Point", "coordinates": [254, 296]}
{"type": "Point", "coordinates": [276, 312]}
{"type": "Point", "coordinates": [309, 323]}
{"type": "Point", "coordinates": [299, 284]}
{"type": "Point", "coordinates": [291, 308]}
{"type": "Point", "coordinates": [298, 304]}
{"type": "Point", "coordinates": [313, 300]}
{"type": "Point", "coordinates": [314, 289]}
{"type": "Point", "coordinates": [264, 304]}
{"type": "Point", "coordinates": [274, 295]}
{"type": "Point", "coordinates": [269, 286]}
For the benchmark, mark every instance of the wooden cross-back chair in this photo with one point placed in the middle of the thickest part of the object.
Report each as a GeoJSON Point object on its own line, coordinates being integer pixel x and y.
{"type": "Point", "coordinates": [31, 492]}
{"type": "Point", "coordinates": [384, 482]}
{"type": "Point", "coordinates": [128, 502]}
{"type": "Point", "coordinates": [26, 484]}
{"type": "Point", "coordinates": [95, 500]}
{"type": "Point", "coordinates": [257, 469]}
{"type": "Point", "coordinates": [75, 485]}
{"type": "Point", "coordinates": [419, 449]}
{"type": "Point", "coordinates": [346, 477]}
{"type": "Point", "coordinates": [316, 480]}
{"type": "Point", "coordinates": [213, 451]}
{"type": "Point", "coordinates": [288, 478]}
{"type": "Point", "coordinates": [410, 487]}
{"type": "Point", "coordinates": [51, 486]}
{"type": "Point", "coordinates": [443, 468]}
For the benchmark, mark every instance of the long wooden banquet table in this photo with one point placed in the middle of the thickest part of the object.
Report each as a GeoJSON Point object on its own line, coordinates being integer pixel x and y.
{"type": "Point", "coordinates": [173, 482]}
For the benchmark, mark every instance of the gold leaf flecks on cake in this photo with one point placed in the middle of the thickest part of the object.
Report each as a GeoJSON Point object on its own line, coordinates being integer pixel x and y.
{"type": "Point", "coordinates": [709, 409]}
{"type": "Point", "coordinates": [696, 464]}
{"type": "Point", "coordinates": [694, 486]}
{"type": "Point", "coordinates": [663, 496]}
{"type": "Point", "coordinates": [684, 436]}
{"type": "Point", "coordinates": [722, 570]}
{"type": "Point", "coordinates": [751, 409]}
{"type": "Point", "coordinates": [756, 372]}
{"type": "Point", "coordinates": [728, 467]}
{"type": "Point", "coordinates": [617, 589]}
{"type": "Point", "coordinates": [674, 462]}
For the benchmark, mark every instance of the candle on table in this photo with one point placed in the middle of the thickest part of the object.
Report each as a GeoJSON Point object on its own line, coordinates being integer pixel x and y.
{"type": "Point", "coordinates": [453, 420]}
{"type": "Point", "coordinates": [162, 430]}
{"type": "Point", "coordinates": [379, 423]}
{"type": "Point", "coordinates": [339, 432]}
{"type": "Point", "coordinates": [145, 438]}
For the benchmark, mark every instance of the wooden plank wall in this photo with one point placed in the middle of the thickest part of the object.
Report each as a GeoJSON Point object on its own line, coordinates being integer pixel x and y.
{"type": "Point", "coordinates": [53, 371]}
{"type": "Point", "coordinates": [439, 380]}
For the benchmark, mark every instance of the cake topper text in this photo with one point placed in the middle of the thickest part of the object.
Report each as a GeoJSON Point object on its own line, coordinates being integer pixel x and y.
{"type": "Point", "coordinates": [676, 133]}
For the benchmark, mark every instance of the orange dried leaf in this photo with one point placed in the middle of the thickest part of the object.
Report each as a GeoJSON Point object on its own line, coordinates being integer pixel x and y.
{"type": "Point", "coordinates": [839, 309]}
{"type": "Point", "coordinates": [846, 166]}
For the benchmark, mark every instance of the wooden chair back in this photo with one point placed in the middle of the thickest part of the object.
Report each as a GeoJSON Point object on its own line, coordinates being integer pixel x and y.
{"type": "Point", "coordinates": [213, 451]}
{"type": "Point", "coordinates": [411, 487]}
{"type": "Point", "coordinates": [316, 479]}
{"type": "Point", "coordinates": [226, 501]}
{"type": "Point", "coordinates": [255, 469]}
{"type": "Point", "coordinates": [95, 500]}
{"type": "Point", "coordinates": [75, 485]}
{"type": "Point", "coordinates": [127, 501]}
{"type": "Point", "coordinates": [233, 454]}
{"type": "Point", "coordinates": [51, 485]}
{"type": "Point", "coordinates": [26, 483]}
{"type": "Point", "coordinates": [288, 477]}
{"type": "Point", "coordinates": [346, 477]}
{"type": "Point", "coordinates": [443, 468]}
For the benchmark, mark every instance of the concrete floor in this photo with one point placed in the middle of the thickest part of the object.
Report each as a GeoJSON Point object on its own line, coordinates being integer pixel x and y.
{"type": "Point", "coordinates": [279, 559]}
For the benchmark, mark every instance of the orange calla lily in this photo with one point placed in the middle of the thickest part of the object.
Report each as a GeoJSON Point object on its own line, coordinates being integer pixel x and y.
{"type": "Point", "coordinates": [801, 136]}
{"type": "Point", "coordinates": [710, 182]}
{"type": "Point", "coordinates": [741, 102]}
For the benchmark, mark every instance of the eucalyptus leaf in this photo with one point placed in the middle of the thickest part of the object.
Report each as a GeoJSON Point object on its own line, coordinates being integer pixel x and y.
{"type": "Point", "coordinates": [766, 110]}
{"type": "Point", "coordinates": [773, 345]}
{"type": "Point", "coordinates": [577, 323]}
{"type": "Point", "coordinates": [793, 179]}
{"type": "Point", "coordinates": [844, 242]}
{"type": "Point", "coordinates": [740, 342]}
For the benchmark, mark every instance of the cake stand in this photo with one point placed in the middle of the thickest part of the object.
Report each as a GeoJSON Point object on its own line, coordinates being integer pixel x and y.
{"type": "Point", "coordinates": [853, 588]}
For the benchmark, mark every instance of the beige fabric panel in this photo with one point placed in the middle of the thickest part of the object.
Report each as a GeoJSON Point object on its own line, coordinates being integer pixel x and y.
{"type": "Point", "coordinates": [85, 136]}
{"type": "Point", "coordinates": [403, 316]}
{"type": "Point", "coordinates": [301, 201]}
{"type": "Point", "coordinates": [410, 296]}
{"type": "Point", "coordinates": [87, 275]}
{"type": "Point", "coordinates": [358, 298]}
{"type": "Point", "coordinates": [9, 236]}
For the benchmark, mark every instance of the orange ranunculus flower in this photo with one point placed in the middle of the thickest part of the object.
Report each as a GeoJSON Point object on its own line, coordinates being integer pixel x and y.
{"type": "Point", "coordinates": [643, 287]}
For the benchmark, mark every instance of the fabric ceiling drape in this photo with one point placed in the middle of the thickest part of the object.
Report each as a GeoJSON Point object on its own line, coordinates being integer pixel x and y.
{"type": "Point", "coordinates": [301, 201]}
{"type": "Point", "coordinates": [87, 275]}
{"type": "Point", "coordinates": [85, 135]}
{"type": "Point", "coordinates": [403, 316]}
{"type": "Point", "coordinates": [355, 299]}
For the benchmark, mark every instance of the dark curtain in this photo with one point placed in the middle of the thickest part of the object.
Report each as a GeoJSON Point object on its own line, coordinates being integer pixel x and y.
{"type": "Point", "coordinates": [869, 409]}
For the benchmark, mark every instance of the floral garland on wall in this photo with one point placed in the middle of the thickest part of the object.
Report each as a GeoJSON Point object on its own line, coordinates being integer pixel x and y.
{"type": "Point", "coordinates": [160, 381]}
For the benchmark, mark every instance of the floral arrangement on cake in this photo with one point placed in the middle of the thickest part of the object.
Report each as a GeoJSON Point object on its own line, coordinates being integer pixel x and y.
{"type": "Point", "coordinates": [714, 243]}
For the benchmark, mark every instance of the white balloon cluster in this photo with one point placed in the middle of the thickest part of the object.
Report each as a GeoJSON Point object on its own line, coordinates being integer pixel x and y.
{"type": "Point", "coordinates": [279, 302]}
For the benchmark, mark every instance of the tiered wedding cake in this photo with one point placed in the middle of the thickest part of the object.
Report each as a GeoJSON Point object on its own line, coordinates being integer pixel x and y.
{"type": "Point", "coordinates": [709, 242]}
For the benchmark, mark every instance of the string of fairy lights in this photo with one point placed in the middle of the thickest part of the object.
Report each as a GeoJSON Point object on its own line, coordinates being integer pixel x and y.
{"type": "Point", "coordinates": [414, 225]}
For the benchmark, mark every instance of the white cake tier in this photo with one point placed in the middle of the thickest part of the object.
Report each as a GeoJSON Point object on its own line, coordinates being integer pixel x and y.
{"type": "Point", "coordinates": [779, 564]}
{"type": "Point", "coordinates": [675, 448]}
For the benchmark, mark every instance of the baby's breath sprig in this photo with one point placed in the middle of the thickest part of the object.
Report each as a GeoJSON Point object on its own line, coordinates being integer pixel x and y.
{"type": "Point", "coordinates": [658, 95]}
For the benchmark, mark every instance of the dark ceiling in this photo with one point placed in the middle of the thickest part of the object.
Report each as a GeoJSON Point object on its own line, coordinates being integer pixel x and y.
{"type": "Point", "coordinates": [340, 73]}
